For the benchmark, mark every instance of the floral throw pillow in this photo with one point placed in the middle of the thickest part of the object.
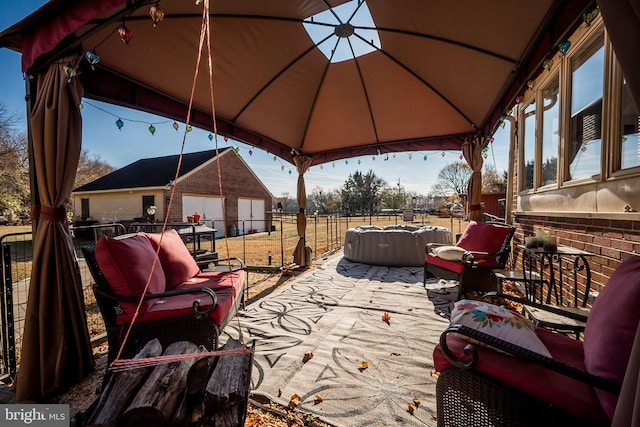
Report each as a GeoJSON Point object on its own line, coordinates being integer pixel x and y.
{"type": "Point", "coordinates": [498, 322]}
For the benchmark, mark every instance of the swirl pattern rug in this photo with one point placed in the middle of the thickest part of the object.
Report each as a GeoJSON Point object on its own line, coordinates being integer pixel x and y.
{"type": "Point", "coordinates": [354, 342]}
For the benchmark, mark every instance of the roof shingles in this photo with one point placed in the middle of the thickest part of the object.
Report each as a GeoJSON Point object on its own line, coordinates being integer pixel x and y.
{"type": "Point", "coordinates": [152, 172]}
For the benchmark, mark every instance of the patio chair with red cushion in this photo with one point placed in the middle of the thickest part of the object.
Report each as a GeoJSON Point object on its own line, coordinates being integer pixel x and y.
{"type": "Point", "coordinates": [181, 302]}
{"type": "Point", "coordinates": [483, 246]}
{"type": "Point", "coordinates": [496, 368]}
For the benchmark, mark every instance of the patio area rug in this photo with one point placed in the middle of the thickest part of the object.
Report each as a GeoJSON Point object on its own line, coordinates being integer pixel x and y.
{"type": "Point", "coordinates": [325, 338]}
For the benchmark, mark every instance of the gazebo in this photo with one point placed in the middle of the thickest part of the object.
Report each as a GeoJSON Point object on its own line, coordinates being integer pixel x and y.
{"type": "Point", "coordinates": [416, 76]}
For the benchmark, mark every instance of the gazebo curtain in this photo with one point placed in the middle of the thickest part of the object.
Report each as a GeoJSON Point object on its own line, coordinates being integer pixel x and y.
{"type": "Point", "coordinates": [56, 349]}
{"type": "Point", "coordinates": [472, 152]}
{"type": "Point", "coordinates": [299, 255]}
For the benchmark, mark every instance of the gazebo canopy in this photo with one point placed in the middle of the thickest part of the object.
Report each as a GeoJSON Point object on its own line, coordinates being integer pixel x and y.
{"type": "Point", "coordinates": [328, 79]}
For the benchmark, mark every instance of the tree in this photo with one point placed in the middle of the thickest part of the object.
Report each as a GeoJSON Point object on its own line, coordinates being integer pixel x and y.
{"type": "Point", "coordinates": [492, 182]}
{"type": "Point", "coordinates": [286, 203]}
{"type": "Point", "coordinates": [453, 179]}
{"type": "Point", "coordinates": [393, 197]}
{"type": "Point", "coordinates": [14, 167]}
{"type": "Point", "coordinates": [361, 192]}
{"type": "Point", "coordinates": [90, 168]}
{"type": "Point", "coordinates": [322, 201]}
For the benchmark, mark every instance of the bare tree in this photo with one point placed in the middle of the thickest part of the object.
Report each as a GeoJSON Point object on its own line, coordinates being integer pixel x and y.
{"type": "Point", "coordinates": [14, 167]}
{"type": "Point", "coordinates": [492, 182]}
{"type": "Point", "coordinates": [453, 179]}
{"type": "Point", "coordinates": [90, 168]}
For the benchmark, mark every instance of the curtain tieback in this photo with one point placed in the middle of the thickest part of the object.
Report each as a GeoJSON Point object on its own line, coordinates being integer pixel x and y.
{"type": "Point", "coordinates": [58, 214]}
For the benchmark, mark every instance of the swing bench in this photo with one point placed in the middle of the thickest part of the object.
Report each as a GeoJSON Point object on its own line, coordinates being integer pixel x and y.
{"type": "Point", "coordinates": [182, 302]}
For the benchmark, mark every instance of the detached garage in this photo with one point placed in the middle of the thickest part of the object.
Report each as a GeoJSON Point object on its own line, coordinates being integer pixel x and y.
{"type": "Point", "coordinates": [126, 194]}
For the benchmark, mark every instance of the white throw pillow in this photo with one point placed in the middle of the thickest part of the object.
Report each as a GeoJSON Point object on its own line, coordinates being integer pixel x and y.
{"type": "Point", "coordinates": [498, 322]}
{"type": "Point", "coordinates": [449, 253]}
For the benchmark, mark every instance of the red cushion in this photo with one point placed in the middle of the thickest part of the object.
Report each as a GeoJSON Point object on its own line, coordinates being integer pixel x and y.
{"type": "Point", "coordinates": [227, 286]}
{"type": "Point", "coordinates": [574, 397]}
{"type": "Point", "coordinates": [612, 326]}
{"type": "Point", "coordinates": [483, 237]}
{"type": "Point", "coordinates": [176, 260]}
{"type": "Point", "coordinates": [455, 266]}
{"type": "Point", "coordinates": [126, 264]}
{"type": "Point", "coordinates": [458, 266]}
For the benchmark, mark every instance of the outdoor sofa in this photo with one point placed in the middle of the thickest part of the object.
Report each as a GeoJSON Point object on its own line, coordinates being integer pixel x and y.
{"type": "Point", "coordinates": [182, 302]}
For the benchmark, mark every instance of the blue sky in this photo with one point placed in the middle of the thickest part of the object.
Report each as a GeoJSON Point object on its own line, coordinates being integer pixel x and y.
{"type": "Point", "coordinates": [101, 137]}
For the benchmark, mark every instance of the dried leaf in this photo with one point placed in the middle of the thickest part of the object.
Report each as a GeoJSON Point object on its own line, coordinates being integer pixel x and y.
{"type": "Point", "coordinates": [363, 365]}
{"type": "Point", "coordinates": [252, 421]}
{"type": "Point", "coordinates": [307, 356]}
{"type": "Point", "coordinates": [386, 317]}
{"type": "Point", "coordinates": [410, 309]}
{"type": "Point", "coordinates": [279, 392]}
{"type": "Point", "coordinates": [410, 408]}
{"type": "Point", "coordinates": [416, 402]}
{"type": "Point", "coordinates": [294, 401]}
{"type": "Point", "coordinates": [318, 398]}
{"type": "Point", "coordinates": [395, 353]}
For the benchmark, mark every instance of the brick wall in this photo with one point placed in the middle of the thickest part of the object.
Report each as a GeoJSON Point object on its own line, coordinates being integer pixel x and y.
{"type": "Point", "coordinates": [237, 181]}
{"type": "Point", "coordinates": [611, 240]}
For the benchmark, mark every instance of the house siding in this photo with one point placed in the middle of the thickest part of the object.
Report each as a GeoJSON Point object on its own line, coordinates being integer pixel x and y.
{"type": "Point", "coordinates": [116, 205]}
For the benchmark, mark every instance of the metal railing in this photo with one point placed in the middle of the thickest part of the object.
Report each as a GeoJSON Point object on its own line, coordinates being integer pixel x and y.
{"type": "Point", "coordinates": [261, 245]}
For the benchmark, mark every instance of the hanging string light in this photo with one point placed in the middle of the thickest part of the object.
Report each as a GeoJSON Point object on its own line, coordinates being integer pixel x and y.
{"type": "Point", "coordinates": [125, 33]}
{"type": "Point", "coordinates": [70, 71]}
{"type": "Point", "coordinates": [156, 14]}
{"type": "Point", "coordinates": [92, 58]}
{"type": "Point", "coordinates": [564, 46]}
{"type": "Point", "coordinates": [588, 17]}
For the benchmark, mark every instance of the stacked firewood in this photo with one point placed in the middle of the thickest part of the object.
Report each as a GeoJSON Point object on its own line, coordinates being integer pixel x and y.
{"type": "Point", "coordinates": [197, 391]}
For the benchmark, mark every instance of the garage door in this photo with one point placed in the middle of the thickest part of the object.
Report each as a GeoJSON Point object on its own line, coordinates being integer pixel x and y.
{"type": "Point", "coordinates": [209, 208]}
{"type": "Point", "coordinates": [251, 215]}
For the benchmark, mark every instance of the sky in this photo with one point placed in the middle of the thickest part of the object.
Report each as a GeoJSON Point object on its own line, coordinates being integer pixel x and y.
{"type": "Point", "coordinates": [119, 147]}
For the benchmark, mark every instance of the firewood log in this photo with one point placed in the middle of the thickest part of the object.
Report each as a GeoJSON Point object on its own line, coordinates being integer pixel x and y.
{"type": "Point", "coordinates": [155, 402]}
{"type": "Point", "coordinates": [120, 388]}
{"type": "Point", "coordinates": [197, 379]}
{"type": "Point", "coordinates": [226, 394]}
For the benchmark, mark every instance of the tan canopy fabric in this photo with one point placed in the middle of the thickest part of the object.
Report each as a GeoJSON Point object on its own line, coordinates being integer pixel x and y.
{"type": "Point", "coordinates": [433, 74]}
{"type": "Point", "coordinates": [472, 151]}
{"type": "Point", "coordinates": [56, 350]}
{"type": "Point", "coordinates": [299, 255]}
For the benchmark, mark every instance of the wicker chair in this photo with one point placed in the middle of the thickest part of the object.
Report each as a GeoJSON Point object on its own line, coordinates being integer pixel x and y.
{"type": "Point", "coordinates": [486, 245]}
{"type": "Point", "coordinates": [487, 381]}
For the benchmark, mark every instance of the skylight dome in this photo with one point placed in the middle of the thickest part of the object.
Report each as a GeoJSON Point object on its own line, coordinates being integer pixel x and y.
{"type": "Point", "coordinates": [344, 32]}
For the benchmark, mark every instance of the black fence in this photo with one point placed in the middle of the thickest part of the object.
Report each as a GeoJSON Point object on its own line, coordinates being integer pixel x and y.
{"type": "Point", "coordinates": [260, 245]}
